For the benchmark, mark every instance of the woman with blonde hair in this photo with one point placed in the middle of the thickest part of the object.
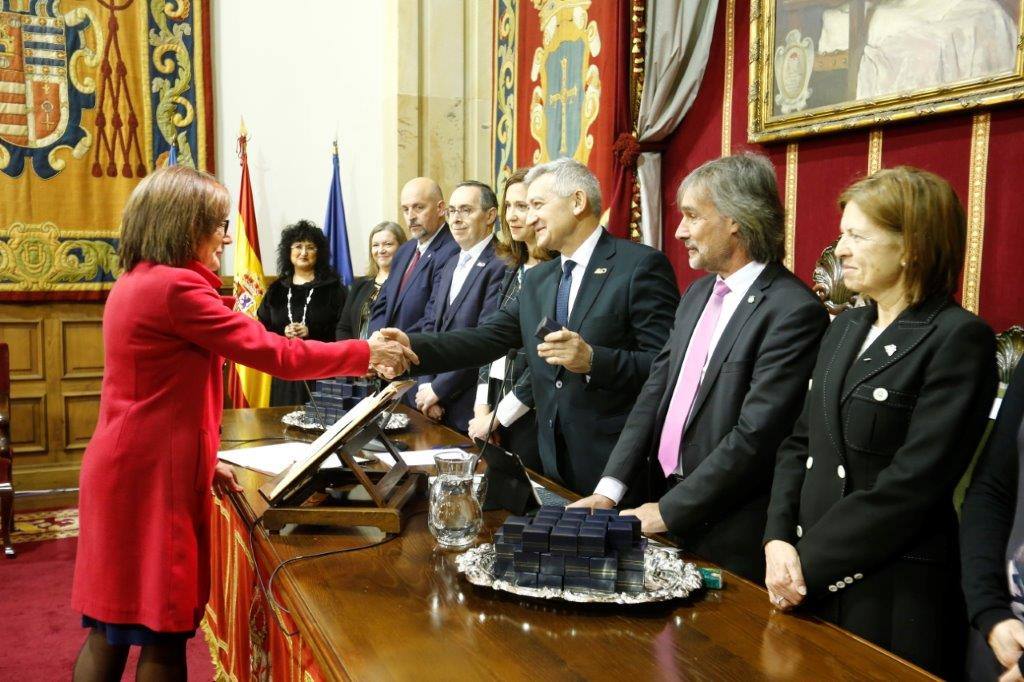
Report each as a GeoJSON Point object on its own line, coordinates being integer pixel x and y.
{"type": "Point", "coordinates": [142, 572]}
{"type": "Point", "coordinates": [354, 321]}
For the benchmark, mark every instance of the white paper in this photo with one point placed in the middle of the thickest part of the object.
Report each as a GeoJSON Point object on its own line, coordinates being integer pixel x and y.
{"type": "Point", "coordinates": [273, 459]}
{"type": "Point", "coordinates": [268, 459]}
{"type": "Point", "coordinates": [415, 457]}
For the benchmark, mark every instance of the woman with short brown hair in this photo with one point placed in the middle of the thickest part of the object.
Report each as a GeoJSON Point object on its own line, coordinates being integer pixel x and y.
{"type": "Point", "coordinates": [142, 570]}
{"type": "Point", "coordinates": [861, 527]}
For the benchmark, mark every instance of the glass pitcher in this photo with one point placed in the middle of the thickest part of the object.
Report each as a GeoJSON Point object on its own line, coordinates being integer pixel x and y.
{"type": "Point", "coordinates": [455, 514]}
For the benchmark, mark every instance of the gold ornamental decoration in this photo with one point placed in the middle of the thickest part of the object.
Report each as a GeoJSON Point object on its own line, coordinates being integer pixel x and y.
{"type": "Point", "coordinates": [566, 100]}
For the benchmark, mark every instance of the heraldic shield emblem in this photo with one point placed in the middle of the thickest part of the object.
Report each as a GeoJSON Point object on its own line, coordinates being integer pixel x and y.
{"type": "Point", "coordinates": [566, 101]}
{"type": "Point", "coordinates": [41, 95]}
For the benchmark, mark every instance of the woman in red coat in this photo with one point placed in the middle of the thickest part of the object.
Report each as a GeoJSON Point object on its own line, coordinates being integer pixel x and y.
{"type": "Point", "coordinates": [142, 571]}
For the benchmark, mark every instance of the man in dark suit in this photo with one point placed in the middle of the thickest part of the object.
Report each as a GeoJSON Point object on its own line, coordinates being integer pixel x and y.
{"type": "Point", "coordinates": [403, 297]}
{"type": "Point", "coordinates": [613, 300]}
{"type": "Point", "coordinates": [727, 387]}
{"type": "Point", "coordinates": [468, 290]}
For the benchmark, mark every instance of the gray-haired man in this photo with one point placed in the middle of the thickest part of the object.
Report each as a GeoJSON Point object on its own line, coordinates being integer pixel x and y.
{"type": "Point", "coordinates": [727, 388]}
{"type": "Point", "coordinates": [613, 300]}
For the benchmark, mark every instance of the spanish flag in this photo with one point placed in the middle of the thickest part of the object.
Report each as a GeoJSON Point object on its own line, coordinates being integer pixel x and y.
{"type": "Point", "coordinates": [246, 386]}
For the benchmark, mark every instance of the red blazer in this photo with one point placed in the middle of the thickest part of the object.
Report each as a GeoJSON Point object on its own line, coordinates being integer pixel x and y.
{"type": "Point", "coordinates": [145, 488]}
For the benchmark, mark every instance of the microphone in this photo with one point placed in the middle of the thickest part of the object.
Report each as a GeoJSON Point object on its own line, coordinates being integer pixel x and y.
{"type": "Point", "coordinates": [509, 359]}
{"type": "Point", "coordinates": [316, 408]}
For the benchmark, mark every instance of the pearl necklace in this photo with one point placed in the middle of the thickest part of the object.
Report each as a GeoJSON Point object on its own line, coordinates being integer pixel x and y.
{"type": "Point", "coordinates": [305, 307]}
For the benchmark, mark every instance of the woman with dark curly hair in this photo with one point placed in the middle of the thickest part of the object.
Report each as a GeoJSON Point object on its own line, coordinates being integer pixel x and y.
{"type": "Point", "coordinates": [305, 300]}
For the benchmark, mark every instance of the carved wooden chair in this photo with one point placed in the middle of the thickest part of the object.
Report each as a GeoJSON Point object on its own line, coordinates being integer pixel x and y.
{"type": "Point", "coordinates": [6, 454]}
{"type": "Point", "coordinates": [1009, 350]}
{"type": "Point", "coordinates": [828, 283]}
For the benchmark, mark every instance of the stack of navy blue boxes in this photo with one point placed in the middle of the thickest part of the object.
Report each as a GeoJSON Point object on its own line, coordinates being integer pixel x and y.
{"type": "Point", "coordinates": [572, 549]}
{"type": "Point", "coordinates": [335, 397]}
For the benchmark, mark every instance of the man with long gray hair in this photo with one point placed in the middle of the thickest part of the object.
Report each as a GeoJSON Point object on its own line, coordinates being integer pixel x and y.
{"type": "Point", "coordinates": [727, 387]}
{"type": "Point", "coordinates": [610, 301]}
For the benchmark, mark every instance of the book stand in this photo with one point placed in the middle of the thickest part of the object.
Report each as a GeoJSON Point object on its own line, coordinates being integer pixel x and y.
{"type": "Point", "coordinates": [348, 495]}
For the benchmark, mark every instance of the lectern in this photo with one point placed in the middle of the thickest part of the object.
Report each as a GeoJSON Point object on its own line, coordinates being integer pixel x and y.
{"type": "Point", "coordinates": [309, 494]}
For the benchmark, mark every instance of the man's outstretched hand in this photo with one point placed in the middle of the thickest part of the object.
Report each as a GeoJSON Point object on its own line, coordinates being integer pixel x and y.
{"type": "Point", "coordinates": [390, 354]}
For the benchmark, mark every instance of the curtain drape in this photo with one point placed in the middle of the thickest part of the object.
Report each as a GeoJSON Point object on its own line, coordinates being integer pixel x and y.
{"type": "Point", "coordinates": [678, 44]}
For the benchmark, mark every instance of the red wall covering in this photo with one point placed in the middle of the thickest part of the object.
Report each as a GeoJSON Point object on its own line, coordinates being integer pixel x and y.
{"type": "Point", "coordinates": [829, 163]}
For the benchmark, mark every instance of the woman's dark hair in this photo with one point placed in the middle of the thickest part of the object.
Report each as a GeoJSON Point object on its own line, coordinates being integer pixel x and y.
{"type": "Point", "coordinates": [304, 231]}
{"type": "Point", "coordinates": [514, 253]}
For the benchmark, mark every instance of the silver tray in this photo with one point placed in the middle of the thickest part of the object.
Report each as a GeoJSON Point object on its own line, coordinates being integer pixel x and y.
{"type": "Point", "coordinates": [298, 419]}
{"type": "Point", "coordinates": [666, 576]}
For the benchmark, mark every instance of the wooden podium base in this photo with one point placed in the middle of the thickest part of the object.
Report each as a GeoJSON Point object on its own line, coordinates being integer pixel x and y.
{"type": "Point", "coordinates": [342, 500]}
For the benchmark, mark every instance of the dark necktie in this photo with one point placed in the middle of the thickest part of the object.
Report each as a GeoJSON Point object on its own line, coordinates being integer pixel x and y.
{"type": "Point", "coordinates": [562, 300]}
{"type": "Point", "coordinates": [408, 270]}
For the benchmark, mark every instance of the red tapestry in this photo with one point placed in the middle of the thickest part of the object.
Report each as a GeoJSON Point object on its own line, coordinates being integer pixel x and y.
{"type": "Point", "coordinates": [822, 166]}
{"type": "Point", "coordinates": [572, 73]}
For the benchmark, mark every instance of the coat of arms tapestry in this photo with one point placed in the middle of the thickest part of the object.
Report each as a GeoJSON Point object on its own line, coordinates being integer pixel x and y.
{"type": "Point", "coordinates": [93, 94]}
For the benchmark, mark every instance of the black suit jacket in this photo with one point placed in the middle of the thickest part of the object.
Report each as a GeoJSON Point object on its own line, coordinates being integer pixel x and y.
{"type": "Point", "coordinates": [623, 309]}
{"type": "Point", "coordinates": [478, 297]}
{"type": "Point", "coordinates": [749, 398]}
{"type": "Point", "coordinates": [407, 310]}
{"type": "Point", "coordinates": [350, 321]}
{"type": "Point", "coordinates": [863, 488]}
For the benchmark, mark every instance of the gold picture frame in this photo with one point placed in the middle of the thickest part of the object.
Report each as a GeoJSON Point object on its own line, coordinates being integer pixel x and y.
{"type": "Point", "coordinates": [819, 66]}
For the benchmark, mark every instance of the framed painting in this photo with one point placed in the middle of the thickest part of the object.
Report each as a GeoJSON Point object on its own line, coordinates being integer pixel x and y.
{"type": "Point", "coordinates": [824, 65]}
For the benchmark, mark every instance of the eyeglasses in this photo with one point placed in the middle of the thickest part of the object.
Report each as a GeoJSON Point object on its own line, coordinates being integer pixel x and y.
{"type": "Point", "coordinates": [463, 211]}
{"type": "Point", "coordinates": [308, 248]}
{"type": "Point", "coordinates": [222, 227]}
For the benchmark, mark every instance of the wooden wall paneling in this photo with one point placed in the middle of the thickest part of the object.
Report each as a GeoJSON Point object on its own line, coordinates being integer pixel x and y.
{"type": "Point", "coordinates": [81, 410]}
{"type": "Point", "coordinates": [28, 426]}
{"type": "Point", "coordinates": [23, 334]}
{"type": "Point", "coordinates": [82, 348]}
{"type": "Point", "coordinates": [57, 371]}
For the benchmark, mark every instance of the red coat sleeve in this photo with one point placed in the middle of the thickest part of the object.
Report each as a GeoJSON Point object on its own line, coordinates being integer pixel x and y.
{"type": "Point", "coordinates": [197, 313]}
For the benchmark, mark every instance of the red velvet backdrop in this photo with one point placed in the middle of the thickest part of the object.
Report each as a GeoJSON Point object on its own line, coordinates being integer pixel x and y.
{"type": "Point", "coordinates": [611, 17]}
{"type": "Point", "coordinates": [828, 163]}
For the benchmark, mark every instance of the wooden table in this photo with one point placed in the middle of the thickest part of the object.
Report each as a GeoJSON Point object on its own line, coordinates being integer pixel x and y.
{"type": "Point", "coordinates": [400, 610]}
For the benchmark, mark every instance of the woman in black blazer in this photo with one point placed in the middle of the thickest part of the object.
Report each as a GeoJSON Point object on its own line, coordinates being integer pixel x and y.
{"type": "Point", "coordinates": [861, 527]}
{"type": "Point", "coordinates": [385, 238]}
{"type": "Point", "coordinates": [992, 545]}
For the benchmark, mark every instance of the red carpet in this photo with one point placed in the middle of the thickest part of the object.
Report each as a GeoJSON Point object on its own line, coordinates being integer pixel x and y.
{"type": "Point", "coordinates": [39, 633]}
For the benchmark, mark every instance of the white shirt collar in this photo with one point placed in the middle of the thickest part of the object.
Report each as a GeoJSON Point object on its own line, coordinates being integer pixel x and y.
{"type": "Point", "coordinates": [741, 280]}
{"type": "Point", "coordinates": [581, 256]}
{"type": "Point", "coordinates": [423, 246]}
{"type": "Point", "coordinates": [479, 248]}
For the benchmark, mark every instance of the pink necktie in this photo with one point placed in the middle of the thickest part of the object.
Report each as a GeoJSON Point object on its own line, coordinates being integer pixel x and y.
{"type": "Point", "coordinates": [689, 381]}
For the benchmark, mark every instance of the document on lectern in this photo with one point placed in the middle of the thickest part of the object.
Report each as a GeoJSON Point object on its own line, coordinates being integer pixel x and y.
{"type": "Point", "coordinates": [364, 412]}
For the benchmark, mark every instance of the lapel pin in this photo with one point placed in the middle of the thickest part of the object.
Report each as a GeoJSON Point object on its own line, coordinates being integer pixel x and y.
{"type": "Point", "coordinates": [600, 271]}
{"type": "Point", "coordinates": [890, 349]}
{"type": "Point", "coordinates": [480, 264]}
{"type": "Point", "coordinates": [750, 299]}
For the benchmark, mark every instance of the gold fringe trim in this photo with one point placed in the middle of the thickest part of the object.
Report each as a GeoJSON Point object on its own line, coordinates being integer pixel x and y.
{"type": "Point", "coordinates": [976, 186]}
{"type": "Point", "coordinates": [874, 151]}
{"type": "Point", "coordinates": [730, 49]}
{"type": "Point", "coordinates": [792, 154]}
{"type": "Point", "coordinates": [212, 641]}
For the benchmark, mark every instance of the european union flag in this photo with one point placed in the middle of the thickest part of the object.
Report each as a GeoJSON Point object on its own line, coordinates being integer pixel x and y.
{"type": "Point", "coordinates": [335, 227]}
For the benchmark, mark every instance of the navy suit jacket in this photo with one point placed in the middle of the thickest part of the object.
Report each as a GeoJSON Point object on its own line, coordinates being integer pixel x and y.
{"type": "Point", "coordinates": [478, 298]}
{"type": "Point", "coordinates": [623, 310]}
{"type": "Point", "coordinates": [406, 310]}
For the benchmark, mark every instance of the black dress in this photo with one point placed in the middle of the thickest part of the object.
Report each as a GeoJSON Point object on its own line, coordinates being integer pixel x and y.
{"type": "Point", "coordinates": [355, 316]}
{"type": "Point", "coordinates": [519, 437]}
{"type": "Point", "coordinates": [322, 301]}
{"type": "Point", "coordinates": [992, 532]}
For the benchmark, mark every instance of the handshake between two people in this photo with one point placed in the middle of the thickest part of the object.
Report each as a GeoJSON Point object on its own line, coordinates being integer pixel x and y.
{"type": "Point", "coordinates": [390, 353]}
